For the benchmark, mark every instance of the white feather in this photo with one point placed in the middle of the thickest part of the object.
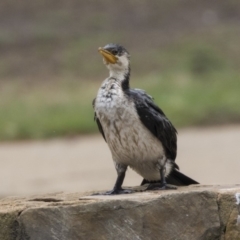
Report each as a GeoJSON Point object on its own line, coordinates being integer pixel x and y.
{"type": "Point", "coordinates": [130, 142]}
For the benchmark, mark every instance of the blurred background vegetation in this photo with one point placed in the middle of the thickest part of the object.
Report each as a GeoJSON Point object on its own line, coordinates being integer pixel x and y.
{"type": "Point", "coordinates": [186, 54]}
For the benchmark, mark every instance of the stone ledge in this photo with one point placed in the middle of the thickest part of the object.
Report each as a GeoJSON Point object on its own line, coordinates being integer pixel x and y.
{"type": "Point", "coordinates": [195, 212]}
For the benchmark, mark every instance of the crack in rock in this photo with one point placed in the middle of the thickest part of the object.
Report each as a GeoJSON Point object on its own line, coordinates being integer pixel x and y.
{"type": "Point", "coordinates": [45, 200]}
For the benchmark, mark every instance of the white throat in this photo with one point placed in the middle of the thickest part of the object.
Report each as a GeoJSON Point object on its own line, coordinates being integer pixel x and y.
{"type": "Point", "coordinates": [120, 69]}
{"type": "Point", "coordinates": [118, 74]}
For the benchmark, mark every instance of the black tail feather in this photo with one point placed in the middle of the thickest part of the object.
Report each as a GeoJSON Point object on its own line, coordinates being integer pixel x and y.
{"type": "Point", "coordinates": [179, 179]}
{"type": "Point", "coordinates": [176, 178]}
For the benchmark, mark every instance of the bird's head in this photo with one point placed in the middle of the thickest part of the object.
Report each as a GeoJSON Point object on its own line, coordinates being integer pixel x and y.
{"type": "Point", "coordinates": [116, 58]}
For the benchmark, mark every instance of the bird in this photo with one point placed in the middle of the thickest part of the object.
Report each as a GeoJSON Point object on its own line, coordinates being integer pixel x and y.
{"type": "Point", "coordinates": [136, 130]}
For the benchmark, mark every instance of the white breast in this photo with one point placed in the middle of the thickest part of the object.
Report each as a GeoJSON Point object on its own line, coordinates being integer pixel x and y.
{"type": "Point", "coordinates": [130, 142]}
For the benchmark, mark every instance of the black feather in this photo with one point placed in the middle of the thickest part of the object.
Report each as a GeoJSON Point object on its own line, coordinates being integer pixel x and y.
{"type": "Point", "coordinates": [175, 178]}
{"type": "Point", "coordinates": [179, 179]}
{"type": "Point", "coordinates": [153, 118]}
{"type": "Point", "coordinates": [97, 121]}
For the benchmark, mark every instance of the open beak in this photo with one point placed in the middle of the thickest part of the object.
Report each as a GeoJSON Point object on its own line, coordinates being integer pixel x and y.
{"type": "Point", "coordinates": [109, 57]}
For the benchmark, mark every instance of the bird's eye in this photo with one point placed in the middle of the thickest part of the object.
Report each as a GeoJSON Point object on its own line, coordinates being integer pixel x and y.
{"type": "Point", "coordinates": [114, 52]}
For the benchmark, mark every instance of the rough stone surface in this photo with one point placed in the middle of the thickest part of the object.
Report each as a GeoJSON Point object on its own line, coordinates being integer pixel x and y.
{"type": "Point", "coordinates": [229, 213]}
{"type": "Point", "coordinates": [196, 212]}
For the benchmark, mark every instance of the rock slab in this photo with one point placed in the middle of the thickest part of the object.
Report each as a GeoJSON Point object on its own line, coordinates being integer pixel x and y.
{"type": "Point", "coordinates": [196, 212]}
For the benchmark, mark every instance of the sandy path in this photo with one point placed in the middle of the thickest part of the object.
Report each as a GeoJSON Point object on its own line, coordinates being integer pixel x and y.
{"type": "Point", "coordinates": [210, 155]}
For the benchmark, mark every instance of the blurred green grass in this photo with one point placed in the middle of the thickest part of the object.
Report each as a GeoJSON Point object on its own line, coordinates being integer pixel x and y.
{"type": "Point", "coordinates": [187, 58]}
{"type": "Point", "coordinates": [208, 100]}
{"type": "Point", "coordinates": [53, 109]}
{"type": "Point", "coordinates": [64, 108]}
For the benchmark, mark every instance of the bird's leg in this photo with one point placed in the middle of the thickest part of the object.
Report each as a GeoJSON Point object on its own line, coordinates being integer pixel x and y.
{"type": "Point", "coordinates": [117, 189]}
{"type": "Point", "coordinates": [163, 184]}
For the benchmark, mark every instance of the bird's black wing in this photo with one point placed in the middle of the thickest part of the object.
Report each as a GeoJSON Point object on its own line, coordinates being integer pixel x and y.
{"type": "Point", "coordinates": [153, 118]}
{"type": "Point", "coordinates": [97, 121]}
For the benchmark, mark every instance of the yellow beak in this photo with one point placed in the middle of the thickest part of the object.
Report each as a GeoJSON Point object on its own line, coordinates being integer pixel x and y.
{"type": "Point", "coordinates": [109, 57]}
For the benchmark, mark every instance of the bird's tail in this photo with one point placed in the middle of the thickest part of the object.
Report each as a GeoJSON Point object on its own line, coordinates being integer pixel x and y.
{"type": "Point", "coordinates": [175, 178]}
{"type": "Point", "coordinates": [179, 179]}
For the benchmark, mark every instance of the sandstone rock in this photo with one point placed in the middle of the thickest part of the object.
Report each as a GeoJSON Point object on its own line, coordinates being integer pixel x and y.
{"type": "Point", "coordinates": [229, 213]}
{"type": "Point", "coordinates": [196, 212]}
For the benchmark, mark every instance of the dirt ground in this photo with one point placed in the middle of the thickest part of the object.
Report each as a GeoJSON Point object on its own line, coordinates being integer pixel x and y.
{"type": "Point", "coordinates": [209, 155]}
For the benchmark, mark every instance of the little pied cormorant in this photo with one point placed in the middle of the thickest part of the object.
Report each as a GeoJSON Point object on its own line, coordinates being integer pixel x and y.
{"type": "Point", "coordinates": [137, 131]}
